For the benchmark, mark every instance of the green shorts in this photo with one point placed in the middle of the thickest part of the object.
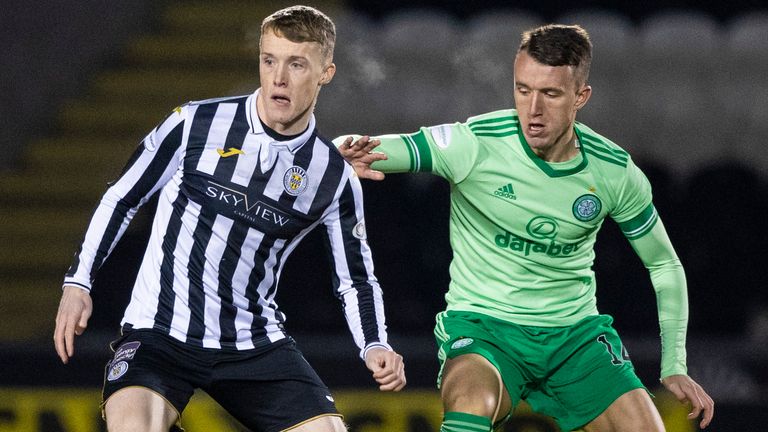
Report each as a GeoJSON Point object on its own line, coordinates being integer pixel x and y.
{"type": "Point", "coordinates": [570, 373]}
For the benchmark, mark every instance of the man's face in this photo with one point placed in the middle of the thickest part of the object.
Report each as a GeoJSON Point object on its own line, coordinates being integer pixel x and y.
{"type": "Point", "coordinates": [547, 98]}
{"type": "Point", "coordinates": [291, 75]}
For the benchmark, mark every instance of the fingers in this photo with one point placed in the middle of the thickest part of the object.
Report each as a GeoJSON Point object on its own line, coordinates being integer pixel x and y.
{"type": "Point", "coordinates": [72, 317]}
{"type": "Point", "coordinates": [364, 143]}
{"type": "Point", "coordinates": [686, 389]}
{"type": "Point", "coordinates": [708, 408]}
{"type": "Point", "coordinates": [58, 341]}
{"type": "Point", "coordinates": [388, 369]}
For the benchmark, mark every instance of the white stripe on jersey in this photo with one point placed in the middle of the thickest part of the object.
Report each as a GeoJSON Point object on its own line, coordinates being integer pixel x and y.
{"type": "Point", "coordinates": [222, 122]}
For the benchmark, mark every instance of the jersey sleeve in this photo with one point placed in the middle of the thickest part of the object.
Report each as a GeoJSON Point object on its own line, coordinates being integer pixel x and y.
{"type": "Point", "coordinates": [354, 281]}
{"type": "Point", "coordinates": [447, 150]}
{"type": "Point", "coordinates": [151, 166]}
{"type": "Point", "coordinates": [668, 279]}
{"type": "Point", "coordinates": [634, 202]}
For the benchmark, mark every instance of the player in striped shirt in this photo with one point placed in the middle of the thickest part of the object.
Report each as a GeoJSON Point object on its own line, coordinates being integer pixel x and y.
{"type": "Point", "coordinates": [530, 188]}
{"type": "Point", "coordinates": [241, 181]}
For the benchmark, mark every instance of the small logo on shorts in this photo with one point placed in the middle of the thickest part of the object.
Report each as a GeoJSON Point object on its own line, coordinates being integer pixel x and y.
{"type": "Point", "coordinates": [126, 351]}
{"type": "Point", "coordinates": [117, 370]}
{"type": "Point", "coordinates": [329, 397]}
{"type": "Point", "coordinates": [461, 343]}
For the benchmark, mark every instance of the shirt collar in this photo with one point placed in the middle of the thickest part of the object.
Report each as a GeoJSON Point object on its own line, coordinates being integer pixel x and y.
{"type": "Point", "coordinates": [257, 129]}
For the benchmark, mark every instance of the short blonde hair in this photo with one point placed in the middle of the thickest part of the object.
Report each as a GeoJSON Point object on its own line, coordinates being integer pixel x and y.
{"type": "Point", "coordinates": [303, 24]}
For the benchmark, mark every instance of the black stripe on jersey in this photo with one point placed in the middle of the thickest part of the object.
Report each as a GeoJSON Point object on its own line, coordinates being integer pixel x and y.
{"type": "Point", "coordinates": [356, 265]}
{"type": "Point", "coordinates": [302, 158]}
{"type": "Point", "coordinates": [235, 139]}
{"type": "Point", "coordinates": [198, 135]}
{"type": "Point", "coordinates": [134, 157]}
{"type": "Point", "coordinates": [227, 266]}
{"type": "Point", "coordinates": [258, 333]}
{"type": "Point", "coordinates": [149, 178]}
{"type": "Point", "coordinates": [167, 297]}
{"type": "Point", "coordinates": [330, 181]}
{"type": "Point", "coordinates": [195, 270]}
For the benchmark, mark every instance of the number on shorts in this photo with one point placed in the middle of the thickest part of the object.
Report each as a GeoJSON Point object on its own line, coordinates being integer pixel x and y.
{"type": "Point", "coordinates": [614, 358]}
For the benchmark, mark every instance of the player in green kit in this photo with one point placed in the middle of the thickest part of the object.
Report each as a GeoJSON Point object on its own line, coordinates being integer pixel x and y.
{"type": "Point", "coordinates": [530, 188]}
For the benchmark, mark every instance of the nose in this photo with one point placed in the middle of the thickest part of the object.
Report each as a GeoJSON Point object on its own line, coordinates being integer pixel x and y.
{"type": "Point", "coordinates": [535, 107]}
{"type": "Point", "coordinates": [280, 78]}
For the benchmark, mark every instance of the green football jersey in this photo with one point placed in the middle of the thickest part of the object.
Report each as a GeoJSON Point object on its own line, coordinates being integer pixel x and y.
{"type": "Point", "coordinates": [523, 229]}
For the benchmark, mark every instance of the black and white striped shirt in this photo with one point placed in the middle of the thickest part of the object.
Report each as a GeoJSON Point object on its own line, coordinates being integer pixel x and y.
{"type": "Point", "coordinates": [233, 204]}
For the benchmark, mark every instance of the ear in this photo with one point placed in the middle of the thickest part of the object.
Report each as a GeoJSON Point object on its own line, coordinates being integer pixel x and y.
{"type": "Point", "coordinates": [583, 96]}
{"type": "Point", "coordinates": [328, 74]}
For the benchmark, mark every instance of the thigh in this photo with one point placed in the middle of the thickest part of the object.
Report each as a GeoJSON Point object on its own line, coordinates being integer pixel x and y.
{"type": "Point", "coordinates": [591, 370]}
{"type": "Point", "coordinates": [632, 411]}
{"type": "Point", "coordinates": [472, 384]}
{"type": "Point", "coordinates": [326, 423]}
{"type": "Point", "coordinates": [139, 409]}
{"type": "Point", "coordinates": [271, 391]}
{"type": "Point", "coordinates": [147, 359]}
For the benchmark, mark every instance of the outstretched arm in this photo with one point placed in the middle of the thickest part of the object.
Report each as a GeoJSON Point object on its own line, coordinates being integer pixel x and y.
{"type": "Point", "coordinates": [359, 153]}
{"type": "Point", "coordinates": [373, 156]}
{"type": "Point", "coordinates": [668, 278]}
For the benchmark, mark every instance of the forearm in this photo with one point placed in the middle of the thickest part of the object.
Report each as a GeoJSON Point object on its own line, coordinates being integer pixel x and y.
{"type": "Point", "coordinates": [396, 147]}
{"type": "Point", "coordinates": [669, 283]}
{"type": "Point", "coordinates": [354, 281]}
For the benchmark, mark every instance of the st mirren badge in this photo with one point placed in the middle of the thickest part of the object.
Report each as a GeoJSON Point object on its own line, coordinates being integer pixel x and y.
{"type": "Point", "coordinates": [295, 180]}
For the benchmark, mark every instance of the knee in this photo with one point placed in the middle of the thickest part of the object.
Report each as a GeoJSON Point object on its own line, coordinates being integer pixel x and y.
{"type": "Point", "coordinates": [471, 394]}
{"type": "Point", "coordinates": [477, 401]}
{"type": "Point", "coordinates": [134, 410]}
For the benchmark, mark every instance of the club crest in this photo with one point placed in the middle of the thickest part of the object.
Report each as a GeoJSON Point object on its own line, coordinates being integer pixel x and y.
{"type": "Point", "coordinates": [587, 207]}
{"type": "Point", "coordinates": [295, 180]}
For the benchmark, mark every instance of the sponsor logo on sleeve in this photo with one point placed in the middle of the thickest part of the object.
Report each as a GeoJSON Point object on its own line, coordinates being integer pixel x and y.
{"type": "Point", "coordinates": [359, 231]}
{"type": "Point", "coordinates": [442, 135]}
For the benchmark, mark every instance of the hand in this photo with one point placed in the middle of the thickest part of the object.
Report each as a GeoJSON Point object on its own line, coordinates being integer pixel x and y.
{"type": "Point", "coordinates": [687, 390]}
{"type": "Point", "coordinates": [360, 155]}
{"type": "Point", "coordinates": [75, 308]}
{"type": "Point", "coordinates": [387, 367]}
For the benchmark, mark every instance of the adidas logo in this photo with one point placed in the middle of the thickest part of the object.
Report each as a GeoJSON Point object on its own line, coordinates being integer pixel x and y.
{"type": "Point", "coordinates": [506, 192]}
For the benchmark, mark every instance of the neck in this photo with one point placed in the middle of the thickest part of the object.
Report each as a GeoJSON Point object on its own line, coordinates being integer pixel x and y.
{"type": "Point", "coordinates": [566, 148]}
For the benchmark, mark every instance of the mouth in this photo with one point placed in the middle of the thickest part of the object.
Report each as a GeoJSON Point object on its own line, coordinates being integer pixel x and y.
{"type": "Point", "coordinates": [535, 129]}
{"type": "Point", "coordinates": [280, 99]}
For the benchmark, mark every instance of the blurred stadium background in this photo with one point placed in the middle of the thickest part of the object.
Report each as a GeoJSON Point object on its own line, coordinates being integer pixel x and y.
{"type": "Point", "coordinates": [682, 85]}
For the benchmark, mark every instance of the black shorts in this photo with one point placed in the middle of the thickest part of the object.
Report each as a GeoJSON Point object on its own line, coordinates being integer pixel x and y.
{"type": "Point", "coordinates": [268, 389]}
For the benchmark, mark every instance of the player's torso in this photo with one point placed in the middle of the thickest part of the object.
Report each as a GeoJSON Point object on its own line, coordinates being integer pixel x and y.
{"type": "Point", "coordinates": [280, 198]}
{"type": "Point", "coordinates": [523, 211]}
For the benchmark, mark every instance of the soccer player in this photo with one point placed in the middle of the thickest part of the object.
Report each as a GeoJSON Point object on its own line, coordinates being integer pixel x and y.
{"type": "Point", "coordinates": [530, 188]}
{"type": "Point", "coordinates": [241, 181]}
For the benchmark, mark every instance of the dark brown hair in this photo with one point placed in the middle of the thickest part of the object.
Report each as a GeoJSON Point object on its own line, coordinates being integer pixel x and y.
{"type": "Point", "coordinates": [560, 45]}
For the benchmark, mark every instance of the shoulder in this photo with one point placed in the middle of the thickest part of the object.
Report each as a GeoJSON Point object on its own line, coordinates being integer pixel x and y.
{"type": "Point", "coordinates": [500, 118]}
{"type": "Point", "coordinates": [217, 101]}
{"type": "Point", "coordinates": [601, 150]}
{"type": "Point", "coordinates": [335, 159]}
